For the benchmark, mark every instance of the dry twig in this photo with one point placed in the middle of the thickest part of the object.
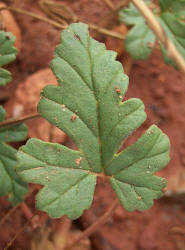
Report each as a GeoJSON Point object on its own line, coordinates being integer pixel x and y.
{"type": "Point", "coordinates": [95, 226]}
{"type": "Point", "coordinates": [31, 14]}
{"type": "Point", "coordinates": [58, 11]}
{"type": "Point", "coordinates": [19, 120]}
{"type": "Point", "coordinates": [7, 215]}
{"type": "Point", "coordinates": [106, 31]}
{"type": "Point", "coordinates": [18, 233]}
{"type": "Point", "coordinates": [109, 4]}
{"type": "Point", "coordinates": [60, 26]}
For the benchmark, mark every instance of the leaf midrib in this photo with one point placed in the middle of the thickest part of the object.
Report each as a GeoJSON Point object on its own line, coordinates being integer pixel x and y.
{"type": "Point", "coordinates": [130, 184]}
{"type": "Point", "coordinates": [140, 159]}
{"type": "Point", "coordinates": [73, 111]}
{"type": "Point", "coordinates": [128, 114]}
{"type": "Point", "coordinates": [97, 104]}
{"type": "Point", "coordinates": [61, 194]}
{"type": "Point", "coordinates": [49, 165]}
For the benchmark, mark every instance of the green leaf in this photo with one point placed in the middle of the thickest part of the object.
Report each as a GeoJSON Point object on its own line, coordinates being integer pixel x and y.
{"type": "Point", "coordinates": [174, 29]}
{"type": "Point", "coordinates": [140, 38]}
{"type": "Point", "coordinates": [69, 187]}
{"type": "Point", "coordinates": [13, 133]}
{"type": "Point", "coordinates": [10, 183]}
{"type": "Point", "coordinates": [173, 6]}
{"type": "Point", "coordinates": [2, 114]}
{"type": "Point", "coordinates": [130, 15]}
{"type": "Point", "coordinates": [7, 54]}
{"type": "Point", "coordinates": [5, 77]}
{"type": "Point", "coordinates": [87, 105]}
{"type": "Point", "coordinates": [139, 41]}
{"type": "Point", "coordinates": [133, 170]}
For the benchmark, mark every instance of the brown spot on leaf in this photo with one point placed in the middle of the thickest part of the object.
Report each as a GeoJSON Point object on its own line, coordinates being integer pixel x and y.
{"type": "Point", "coordinates": [73, 117]}
{"type": "Point", "coordinates": [117, 89]}
{"type": "Point", "coordinates": [78, 161]}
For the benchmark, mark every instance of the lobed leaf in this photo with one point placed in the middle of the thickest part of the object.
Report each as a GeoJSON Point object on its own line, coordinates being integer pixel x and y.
{"type": "Point", "coordinates": [13, 133]}
{"type": "Point", "coordinates": [69, 185]}
{"type": "Point", "coordinates": [139, 41]}
{"type": "Point", "coordinates": [173, 6]}
{"type": "Point", "coordinates": [7, 54]}
{"type": "Point", "coordinates": [133, 170]}
{"type": "Point", "coordinates": [172, 21]}
{"type": "Point", "coordinates": [140, 38]}
{"type": "Point", "coordinates": [130, 15]}
{"type": "Point", "coordinates": [87, 105]}
{"type": "Point", "coordinates": [10, 183]}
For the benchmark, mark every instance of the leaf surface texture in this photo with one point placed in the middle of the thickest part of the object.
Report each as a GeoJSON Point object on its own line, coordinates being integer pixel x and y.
{"type": "Point", "coordinates": [10, 183]}
{"type": "Point", "coordinates": [7, 54]}
{"type": "Point", "coordinates": [87, 105]}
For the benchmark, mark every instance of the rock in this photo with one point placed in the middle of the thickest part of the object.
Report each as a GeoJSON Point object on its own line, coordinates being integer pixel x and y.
{"type": "Point", "coordinates": [9, 23]}
{"type": "Point", "coordinates": [25, 102]}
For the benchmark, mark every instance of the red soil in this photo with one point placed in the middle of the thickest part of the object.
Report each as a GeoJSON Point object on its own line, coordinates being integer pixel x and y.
{"type": "Point", "coordinates": [162, 90]}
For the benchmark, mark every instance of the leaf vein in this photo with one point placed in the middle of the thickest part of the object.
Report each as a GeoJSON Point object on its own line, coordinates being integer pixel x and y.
{"type": "Point", "coordinates": [138, 159]}
{"type": "Point", "coordinates": [124, 117]}
{"type": "Point", "coordinates": [53, 165]}
{"type": "Point", "coordinates": [60, 194]}
{"type": "Point", "coordinates": [73, 111]}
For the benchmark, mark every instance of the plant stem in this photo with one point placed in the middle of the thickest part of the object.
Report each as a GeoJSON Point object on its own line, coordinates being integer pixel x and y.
{"type": "Point", "coordinates": [159, 32]}
{"type": "Point", "coordinates": [60, 26]}
{"type": "Point", "coordinates": [63, 234]}
{"type": "Point", "coordinates": [2, 221]}
{"type": "Point", "coordinates": [31, 14]}
{"type": "Point", "coordinates": [28, 214]}
{"type": "Point", "coordinates": [19, 120]}
{"type": "Point", "coordinates": [109, 4]}
{"type": "Point", "coordinates": [106, 31]}
{"type": "Point", "coordinates": [178, 230]}
{"type": "Point", "coordinates": [96, 226]}
{"type": "Point", "coordinates": [112, 16]}
{"type": "Point", "coordinates": [121, 4]}
{"type": "Point", "coordinates": [18, 233]}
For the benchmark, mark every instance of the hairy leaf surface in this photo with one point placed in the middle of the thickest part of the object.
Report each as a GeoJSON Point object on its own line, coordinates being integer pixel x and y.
{"type": "Point", "coordinates": [7, 54]}
{"type": "Point", "coordinates": [10, 183]}
{"type": "Point", "coordinates": [87, 105]}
